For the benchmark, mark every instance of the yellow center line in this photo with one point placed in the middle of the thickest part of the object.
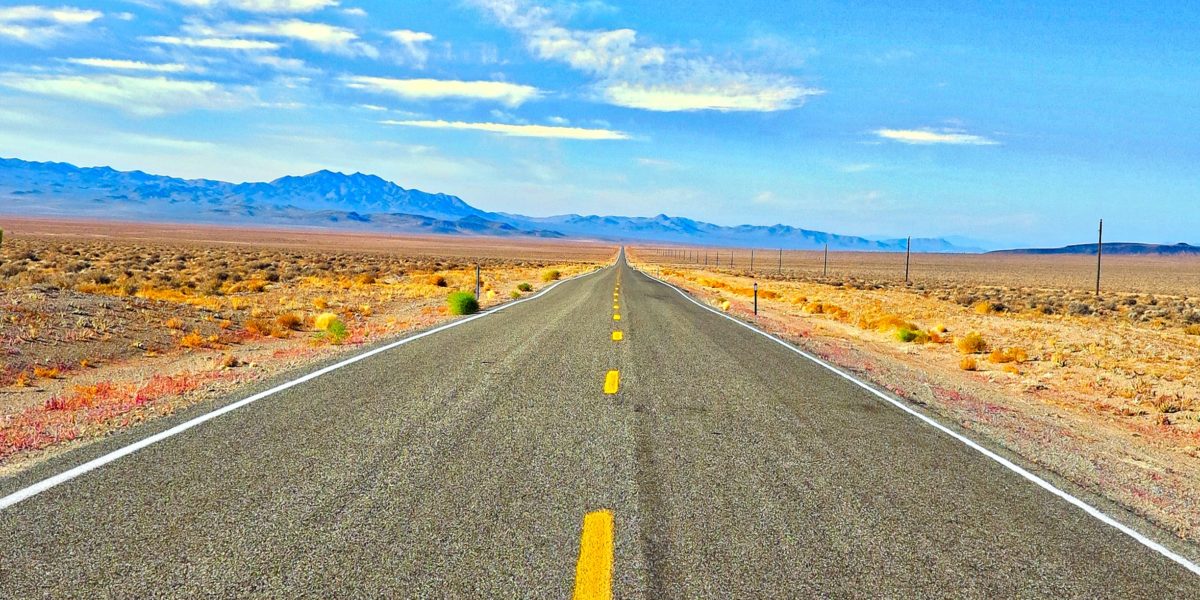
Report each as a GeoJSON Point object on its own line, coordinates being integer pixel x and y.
{"type": "Point", "coordinates": [593, 572]}
{"type": "Point", "coordinates": [618, 336]}
{"type": "Point", "coordinates": [616, 306]}
{"type": "Point", "coordinates": [612, 382]}
{"type": "Point", "coordinates": [616, 317]}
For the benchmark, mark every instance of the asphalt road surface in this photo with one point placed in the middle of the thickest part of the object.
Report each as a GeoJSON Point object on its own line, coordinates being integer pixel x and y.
{"type": "Point", "coordinates": [529, 454]}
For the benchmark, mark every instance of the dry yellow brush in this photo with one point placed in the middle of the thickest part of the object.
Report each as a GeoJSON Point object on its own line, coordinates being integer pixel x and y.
{"type": "Point", "coordinates": [1102, 362]}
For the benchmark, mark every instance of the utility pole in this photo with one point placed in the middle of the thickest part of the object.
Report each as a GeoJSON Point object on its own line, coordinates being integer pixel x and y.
{"type": "Point", "coordinates": [752, 260]}
{"type": "Point", "coordinates": [1099, 254]}
{"type": "Point", "coordinates": [477, 283]}
{"type": "Point", "coordinates": [907, 258]}
{"type": "Point", "coordinates": [781, 261]}
{"type": "Point", "coordinates": [826, 273]}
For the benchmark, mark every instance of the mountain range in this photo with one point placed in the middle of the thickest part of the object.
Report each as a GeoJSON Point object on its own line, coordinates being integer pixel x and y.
{"type": "Point", "coordinates": [367, 202]}
{"type": "Point", "coordinates": [1122, 248]}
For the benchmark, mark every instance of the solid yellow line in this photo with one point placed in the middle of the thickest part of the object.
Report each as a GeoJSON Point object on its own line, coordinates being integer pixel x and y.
{"type": "Point", "coordinates": [612, 382]}
{"type": "Point", "coordinates": [618, 336]}
{"type": "Point", "coordinates": [616, 317]}
{"type": "Point", "coordinates": [593, 572]}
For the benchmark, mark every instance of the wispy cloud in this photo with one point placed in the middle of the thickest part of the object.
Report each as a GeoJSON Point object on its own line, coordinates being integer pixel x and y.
{"type": "Point", "coordinates": [262, 6]}
{"type": "Point", "coordinates": [129, 65]}
{"type": "Point", "coordinates": [537, 131]}
{"type": "Point", "coordinates": [142, 96]}
{"type": "Point", "coordinates": [934, 136]}
{"type": "Point", "coordinates": [647, 76]}
{"type": "Point", "coordinates": [167, 143]}
{"type": "Point", "coordinates": [657, 163]}
{"type": "Point", "coordinates": [509, 94]}
{"type": "Point", "coordinates": [279, 63]}
{"type": "Point", "coordinates": [40, 25]}
{"type": "Point", "coordinates": [731, 95]}
{"type": "Point", "coordinates": [414, 44]}
{"type": "Point", "coordinates": [322, 36]}
{"type": "Point", "coordinates": [213, 43]}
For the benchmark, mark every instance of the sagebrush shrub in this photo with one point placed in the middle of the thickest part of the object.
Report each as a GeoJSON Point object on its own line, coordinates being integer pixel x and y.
{"type": "Point", "coordinates": [462, 303]}
{"type": "Point", "coordinates": [972, 343]}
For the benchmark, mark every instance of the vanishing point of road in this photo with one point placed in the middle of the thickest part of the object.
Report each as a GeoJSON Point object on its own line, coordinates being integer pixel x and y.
{"type": "Point", "coordinates": [609, 438]}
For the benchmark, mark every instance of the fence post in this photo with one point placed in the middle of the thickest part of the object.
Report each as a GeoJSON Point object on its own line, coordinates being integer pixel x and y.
{"type": "Point", "coordinates": [756, 298]}
{"type": "Point", "coordinates": [907, 258]}
{"type": "Point", "coordinates": [1099, 254]}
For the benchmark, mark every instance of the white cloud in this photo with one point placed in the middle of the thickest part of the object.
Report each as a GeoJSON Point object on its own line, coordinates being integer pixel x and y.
{"type": "Point", "coordinates": [323, 36]}
{"type": "Point", "coordinates": [931, 136]}
{"type": "Point", "coordinates": [354, 12]}
{"type": "Point", "coordinates": [142, 96]}
{"type": "Point", "coordinates": [538, 131]}
{"type": "Point", "coordinates": [509, 94]}
{"type": "Point", "coordinates": [213, 43]}
{"type": "Point", "coordinates": [39, 25]}
{"type": "Point", "coordinates": [262, 6]}
{"type": "Point", "coordinates": [733, 96]}
{"type": "Point", "coordinates": [128, 65]}
{"type": "Point", "coordinates": [167, 143]}
{"type": "Point", "coordinates": [279, 63]}
{"type": "Point", "coordinates": [646, 76]}
{"type": "Point", "coordinates": [657, 163]}
{"type": "Point", "coordinates": [413, 43]}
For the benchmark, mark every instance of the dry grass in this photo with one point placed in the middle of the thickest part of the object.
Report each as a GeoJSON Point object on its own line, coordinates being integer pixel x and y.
{"type": "Point", "coordinates": [1073, 345]}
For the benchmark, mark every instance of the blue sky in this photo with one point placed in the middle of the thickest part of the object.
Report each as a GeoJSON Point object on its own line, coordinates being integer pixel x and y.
{"type": "Point", "coordinates": [1019, 123]}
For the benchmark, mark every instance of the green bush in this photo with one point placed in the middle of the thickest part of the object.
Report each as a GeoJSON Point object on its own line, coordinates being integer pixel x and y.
{"type": "Point", "coordinates": [463, 303]}
{"type": "Point", "coordinates": [906, 335]}
{"type": "Point", "coordinates": [524, 287]}
{"type": "Point", "coordinates": [551, 275]}
{"type": "Point", "coordinates": [332, 329]}
{"type": "Point", "coordinates": [337, 331]}
{"type": "Point", "coordinates": [514, 294]}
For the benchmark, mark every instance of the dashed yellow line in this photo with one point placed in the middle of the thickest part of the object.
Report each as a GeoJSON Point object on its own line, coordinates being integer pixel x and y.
{"type": "Point", "coordinates": [616, 317]}
{"type": "Point", "coordinates": [618, 336]}
{"type": "Point", "coordinates": [616, 306]}
{"type": "Point", "coordinates": [593, 572]}
{"type": "Point", "coordinates": [612, 382]}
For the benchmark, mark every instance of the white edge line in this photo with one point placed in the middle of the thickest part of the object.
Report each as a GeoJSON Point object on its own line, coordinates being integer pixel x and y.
{"type": "Point", "coordinates": [65, 476]}
{"type": "Point", "coordinates": [1087, 508]}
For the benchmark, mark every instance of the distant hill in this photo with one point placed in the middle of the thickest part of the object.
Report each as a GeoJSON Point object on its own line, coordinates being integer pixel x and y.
{"type": "Point", "coordinates": [1116, 248]}
{"type": "Point", "coordinates": [367, 202]}
{"type": "Point", "coordinates": [663, 228]}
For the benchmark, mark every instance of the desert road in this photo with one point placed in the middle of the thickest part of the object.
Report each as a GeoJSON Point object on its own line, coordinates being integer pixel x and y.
{"type": "Point", "coordinates": [609, 438]}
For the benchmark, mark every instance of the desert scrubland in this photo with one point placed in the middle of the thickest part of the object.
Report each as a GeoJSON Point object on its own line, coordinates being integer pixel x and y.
{"type": "Point", "coordinates": [1101, 391]}
{"type": "Point", "coordinates": [106, 325]}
